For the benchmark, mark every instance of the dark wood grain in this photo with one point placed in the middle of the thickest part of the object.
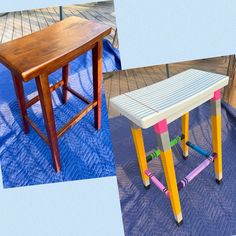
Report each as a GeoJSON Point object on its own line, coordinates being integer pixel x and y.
{"type": "Point", "coordinates": [51, 48]}
{"type": "Point", "coordinates": [97, 82]}
{"type": "Point", "coordinates": [65, 78]}
{"type": "Point", "coordinates": [21, 101]}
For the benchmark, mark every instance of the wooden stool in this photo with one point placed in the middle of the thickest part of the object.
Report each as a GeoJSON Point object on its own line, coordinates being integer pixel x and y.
{"type": "Point", "coordinates": [158, 105]}
{"type": "Point", "coordinates": [43, 52]}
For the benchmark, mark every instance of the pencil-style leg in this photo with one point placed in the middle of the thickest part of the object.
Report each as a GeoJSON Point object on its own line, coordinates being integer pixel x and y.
{"type": "Point", "coordinates": [97, 82]}
{"type": "Point", "coordinates": [140, 151]}
{"type": "Point", "coordinates": [65, 77]}
{"type": "Point", "coordinates": [163, 140]}
{"type": "Point", "coordinates": [216, 134]}
{"type": "Point", "coordinates": [19, 89]}
{"type": "Point", "coordinates": [185, 127]}
{"type": "Point", "coordinates": [46, 104]}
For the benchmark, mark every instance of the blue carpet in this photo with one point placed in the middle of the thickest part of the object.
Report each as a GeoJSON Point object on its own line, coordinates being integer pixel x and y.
{"type": "Point", "coordinates": [208, 208]}
{"type": "Point", "coordinates": [85, 152]}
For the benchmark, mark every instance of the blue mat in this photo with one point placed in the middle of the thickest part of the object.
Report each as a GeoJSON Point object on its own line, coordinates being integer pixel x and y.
{"type": "Point", "coordinates": [85, 152]}
{"type": "Point", "coordinates": [208, 208]}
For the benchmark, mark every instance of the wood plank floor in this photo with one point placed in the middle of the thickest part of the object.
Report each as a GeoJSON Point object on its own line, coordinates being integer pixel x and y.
{"type": "Point", "coordinates": [124, 81]}
{"type": "Point", "coordinates": [17, 24]}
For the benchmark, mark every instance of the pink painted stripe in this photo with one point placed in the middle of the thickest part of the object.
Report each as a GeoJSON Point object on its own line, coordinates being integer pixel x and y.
{"type": "Point", "coordinates": [217, 95]}
{"type": "Point", "coordinates": [157, 183]}
{"type": "Point", "coordinates": [161, 127]}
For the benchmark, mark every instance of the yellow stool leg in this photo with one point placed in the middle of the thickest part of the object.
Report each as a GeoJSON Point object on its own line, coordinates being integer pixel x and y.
{"type": "Point", "coordinates": [185, 127]}
{"type": "Point", "coordinates": [216, 134]}
{"type": "Point", "coordinates": [168, 165]}
{"type": "Point", "coordinates": [140, 150]}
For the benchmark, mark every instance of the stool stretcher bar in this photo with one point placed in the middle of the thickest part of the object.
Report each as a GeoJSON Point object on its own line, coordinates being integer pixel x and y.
{"type": "Point", "coordinates": [198, 149]}
{"type": "Point", "coordinates": [157, 183]}
{"type": "Point", "coordinates": [54, 87]}
{"type": "Point", "coordinates": [70, 123]}
{"type": "Point", "coordinates": [76, 118]}
{"type": "Point", "coordinates": [157, 152]}
{"type": "Point", "coordinates": [186, 180]}
{"type": "Point", "coordinates": [196, 171]}
{"type": "Point", "coordinates": [39, 132]}
{"type": "Point", "coordinates": [32, 101]}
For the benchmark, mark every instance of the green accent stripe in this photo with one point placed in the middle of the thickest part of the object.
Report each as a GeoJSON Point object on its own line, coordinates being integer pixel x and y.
{"type": "Point", "coordinates": [157, 152]}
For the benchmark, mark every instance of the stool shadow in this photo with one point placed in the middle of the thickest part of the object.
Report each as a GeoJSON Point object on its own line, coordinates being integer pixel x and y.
{"type": "Point", "coordinates": [32, 157]}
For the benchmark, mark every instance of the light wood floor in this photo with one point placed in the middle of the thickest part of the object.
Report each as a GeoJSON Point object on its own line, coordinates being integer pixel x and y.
{"type": "Point", "coordinates": [17, 24]}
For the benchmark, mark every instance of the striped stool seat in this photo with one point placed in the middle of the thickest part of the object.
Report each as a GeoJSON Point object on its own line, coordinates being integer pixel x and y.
{"type": "Point", "coordinates": [159, 104]}
{"type": "Point", "coordinates": [168, 99]}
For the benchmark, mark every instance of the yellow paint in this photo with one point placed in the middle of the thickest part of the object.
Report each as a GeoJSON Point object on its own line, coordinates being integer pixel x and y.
{"type": "Point", "coordinates": [140, 151]}
{"type": "Point", "coordinates": [169, 170]}
{"type": "Point", "coordinates": [185, 127]}
{"type": "Point", "coordinates": [217, 145]}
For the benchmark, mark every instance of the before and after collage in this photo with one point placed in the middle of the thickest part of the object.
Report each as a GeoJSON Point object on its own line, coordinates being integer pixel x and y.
{"type": "Point", "coordinates": [97, 138]}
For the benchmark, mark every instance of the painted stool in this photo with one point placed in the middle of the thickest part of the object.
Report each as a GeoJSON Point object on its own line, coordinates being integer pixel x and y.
{"type": "Point", "coordinates": [158, 105]}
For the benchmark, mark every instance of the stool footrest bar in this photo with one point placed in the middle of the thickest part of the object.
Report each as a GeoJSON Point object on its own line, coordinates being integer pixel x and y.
{"type": "Point", "coordinates": [157, 152]}
{"type": "Point", "coordinates": [196, 171]}
{"type": "Point", "coordinates": [34, 126]}
{"type": "Point", "coordinates": [76, 118]}
{"type": "Point", "coordinates": [32, 101]}
{"type": "Point", "coordinates": [181, 184]}
{"type": "Point", "coordinates": [159, 185]}
{"type": "Point", "coordinates": [69, 124]}
{"type": "Point", "coordinates": [78, 95]}
{"type": "Point", "coordinates": [198, 149]}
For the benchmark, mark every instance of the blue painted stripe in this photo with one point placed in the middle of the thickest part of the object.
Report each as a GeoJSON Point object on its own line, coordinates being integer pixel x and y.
{"type": "Point", "coordinates": [198, 149]}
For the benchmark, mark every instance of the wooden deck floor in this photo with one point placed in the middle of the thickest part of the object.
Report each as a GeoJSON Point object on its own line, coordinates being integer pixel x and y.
{"type": "Point", "coordinates": [17, 24]}
{"type": "Point", "coordinates": [128, 80]}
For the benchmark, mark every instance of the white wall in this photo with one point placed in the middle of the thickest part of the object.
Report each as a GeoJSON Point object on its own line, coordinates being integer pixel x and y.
{"type": "Point", "coordinates": [157, 32]}
{"type": "Point", "coordinates": [83, 207]}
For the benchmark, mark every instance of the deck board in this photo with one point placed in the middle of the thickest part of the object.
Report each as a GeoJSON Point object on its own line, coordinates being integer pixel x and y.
{"type": "Point", "coordinates": [18, 24]}
{"type": "Point", "coordinates": [34, 25]}
{"type": "Point", "coordinates": [25, 21]}
{"type": "Point", "coordinates": [14, 25]}
{"type": "Point", "coordinates": [8, 30]}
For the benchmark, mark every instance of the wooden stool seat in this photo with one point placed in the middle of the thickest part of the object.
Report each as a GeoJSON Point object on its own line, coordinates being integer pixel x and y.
{"type": "Point", "coordinates": [159, 104]}
{"type": "Point", "coordinates": [43, 52]}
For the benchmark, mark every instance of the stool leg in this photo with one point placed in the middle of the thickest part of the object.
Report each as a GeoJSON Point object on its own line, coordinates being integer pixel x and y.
{"type": "Point", "coordinates": [163, 140]}
{"type": "Point", "coordinates": [46, 104]}
{"type": "Point", "coordinates": [19, 89]}
{"type": "Point", "coordinates": [140, 151]}
{"type": "Point", "coordinates": [185, 127]}
{"type": "Point", "coordinates": [65, 77]}
{"type": "Point", "coordinates": [216, 134]}
{"type": "Point", "coordinates": [97, 82]}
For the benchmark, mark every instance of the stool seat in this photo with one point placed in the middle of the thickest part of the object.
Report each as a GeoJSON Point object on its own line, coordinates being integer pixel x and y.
{"type": "Point", "coordinates": [51, 48]}
{"type": "Point", "coordinates": [169, 99]}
